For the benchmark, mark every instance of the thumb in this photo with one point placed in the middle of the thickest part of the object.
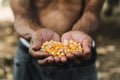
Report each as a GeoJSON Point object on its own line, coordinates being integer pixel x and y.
{"type": "Point", "coordinates": [36, 42]}
{"type": "Point", "coordinates": [66, 36]}
{"type": "Point", "coordinates": [86, 47]}
{"type": "Point", "coordinates": [55, 37]}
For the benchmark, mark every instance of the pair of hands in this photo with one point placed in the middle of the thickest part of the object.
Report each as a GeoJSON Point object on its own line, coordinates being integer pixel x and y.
{"type": "Point", "coordinates": [42, 35]}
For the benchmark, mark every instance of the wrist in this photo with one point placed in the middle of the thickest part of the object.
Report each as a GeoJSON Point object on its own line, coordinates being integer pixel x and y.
{"type": "Point", "coordinates": [87, 23]}
{"type": "Point", "coordinates": [81, 28]}
{"type": "Point", "coordinates": [35, 31]}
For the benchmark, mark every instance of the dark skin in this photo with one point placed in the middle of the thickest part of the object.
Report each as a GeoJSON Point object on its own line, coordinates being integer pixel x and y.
{"type": "Point", "coordinates": [42, 20]}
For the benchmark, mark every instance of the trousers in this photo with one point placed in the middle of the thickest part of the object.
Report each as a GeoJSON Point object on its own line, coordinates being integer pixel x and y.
{"type": "Point", "coordinates": [26, 68]}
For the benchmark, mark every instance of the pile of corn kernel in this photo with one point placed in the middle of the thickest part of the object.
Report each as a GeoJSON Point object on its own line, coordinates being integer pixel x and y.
{"type": "Point", "coordinates": [60, 48]}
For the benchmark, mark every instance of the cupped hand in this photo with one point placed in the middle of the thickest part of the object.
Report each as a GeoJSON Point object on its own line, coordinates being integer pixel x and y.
{"type": "Point", "coordinates": [39, 37]}
{"type": "Point", "coordinates": [86, 44]}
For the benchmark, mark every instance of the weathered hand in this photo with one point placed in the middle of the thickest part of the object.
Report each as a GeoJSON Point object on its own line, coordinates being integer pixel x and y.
{"type": "Point", "coordinates": [86, 44]}
{"type": "Point", "coordinates": [37, 39]}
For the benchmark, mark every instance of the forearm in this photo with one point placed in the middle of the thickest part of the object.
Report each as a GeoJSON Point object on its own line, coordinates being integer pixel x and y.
{"type": "Point", "coordinates": [26, 21]}
{"type": "Point", "coordinates": [88, 23]}
{"type": "Point", "coordinates": [89, 20]}
{"type": "Point", "coordinates": [25, 28]}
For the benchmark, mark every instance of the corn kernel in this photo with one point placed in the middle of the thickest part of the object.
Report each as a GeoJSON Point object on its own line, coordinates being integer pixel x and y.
{"type": "Point", "coordinates": [61, 49]}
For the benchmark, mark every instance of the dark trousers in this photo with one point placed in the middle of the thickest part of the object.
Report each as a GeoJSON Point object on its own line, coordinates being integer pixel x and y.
{"type": "Point", "coordinates": [26, 68]}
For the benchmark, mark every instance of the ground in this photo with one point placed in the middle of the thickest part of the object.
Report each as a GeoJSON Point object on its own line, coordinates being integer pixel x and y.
{"type": "Point", "coordinates": [107, 41]}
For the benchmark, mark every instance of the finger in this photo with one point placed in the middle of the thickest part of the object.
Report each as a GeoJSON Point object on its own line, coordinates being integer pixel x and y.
{"type": "Point", "coordinates": [81, 56]}
{"type": "Point", "coordinates": [36, 43]}
{"type": "Point", "coordinates": [39, 54]}
{"type": "Point", "coordinates": [63, 59]}
{"type": "Point", "coordinates": [78, 54]}
{"type": "Point", "coordinates": [50, 35]}
{"type": "Point", "coordinates": [86, 57]}
{"type": "Point", "coordinates": [50, 59]}
{"type": "Point", "coordinates": [46, 61]}
{"type": "Point", "coordinates": [57, 59]}
{"type": "Point", "coordinates": [43, 62]}
{"type": "Point", "coordinates": [86, 45]}
{"type": "Point", "coordinates": [70, 56]}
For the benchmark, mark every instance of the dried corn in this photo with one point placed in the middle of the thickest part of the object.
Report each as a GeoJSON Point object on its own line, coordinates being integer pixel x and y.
{"type": "Point", "coordinates": [61, 49]}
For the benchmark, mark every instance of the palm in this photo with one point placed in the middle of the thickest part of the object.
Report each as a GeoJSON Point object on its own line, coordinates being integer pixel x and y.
{"type": "Point", "coordinates": [43, 35]}
{"type": "Point", "coordinates": [81, 38]}
{"type": "Point", "coordinates": [38, 38]}
{"type": "Point", "coordinates": [75, 35]}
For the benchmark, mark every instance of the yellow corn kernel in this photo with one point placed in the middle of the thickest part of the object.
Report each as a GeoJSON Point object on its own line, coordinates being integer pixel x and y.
{"type": "Point", "coordinates": [60, 49]}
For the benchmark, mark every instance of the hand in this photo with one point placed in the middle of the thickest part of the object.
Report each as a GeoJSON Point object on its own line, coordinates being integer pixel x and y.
{"type": "Point", "coordinates": [86, 44]}
{"type": "Point", "coordinates": [36, 41]}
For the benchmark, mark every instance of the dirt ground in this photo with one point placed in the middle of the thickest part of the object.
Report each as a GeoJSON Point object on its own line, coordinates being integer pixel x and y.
{"type": "Point", "coordinates": [108, 47]}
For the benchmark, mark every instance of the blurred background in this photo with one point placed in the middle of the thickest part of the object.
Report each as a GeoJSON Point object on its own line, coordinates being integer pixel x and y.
{"type": "Point", "coordinates": [107, 39]}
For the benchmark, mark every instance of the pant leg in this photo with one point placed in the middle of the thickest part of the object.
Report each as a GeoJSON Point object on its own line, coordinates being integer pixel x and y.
{"type": "Point", "coordinates": [72, 73]}
{"type": "Point", "coordinates": [26, 68]}
{"type": "Point", "coordinates": [21, 70]}
{"type": "Point", "coordinates": [84, 73]}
